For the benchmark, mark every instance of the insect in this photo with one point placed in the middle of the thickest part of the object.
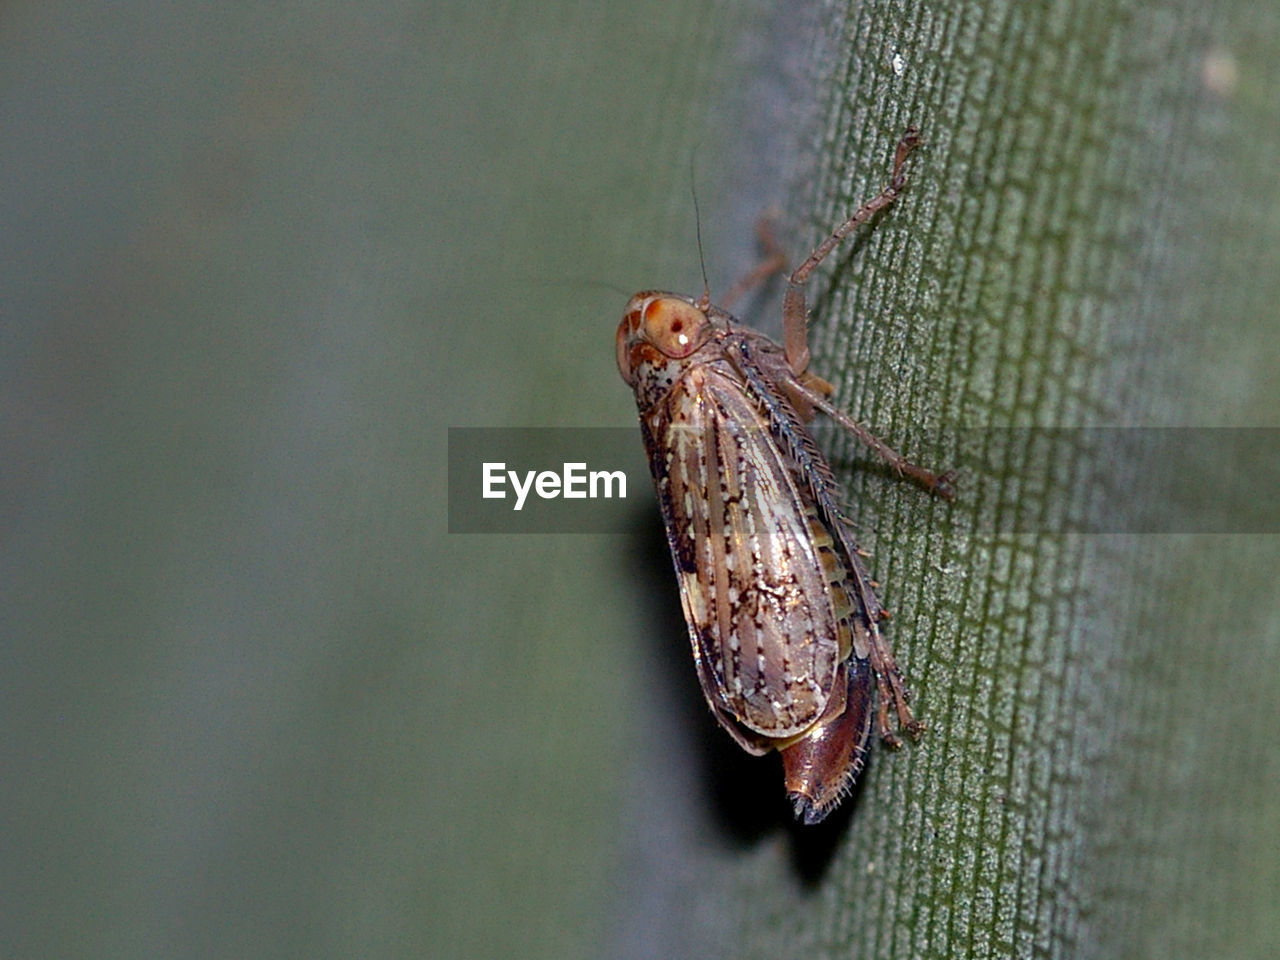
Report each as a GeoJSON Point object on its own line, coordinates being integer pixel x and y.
{"type": "Point", "coordinates": [783, 616]}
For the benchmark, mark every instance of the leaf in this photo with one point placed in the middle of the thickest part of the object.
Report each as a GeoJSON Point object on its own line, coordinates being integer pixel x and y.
{"type": "Point", "coordinates": [1088, 239]}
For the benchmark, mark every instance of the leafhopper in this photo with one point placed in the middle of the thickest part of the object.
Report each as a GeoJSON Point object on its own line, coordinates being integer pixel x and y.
{"type": "Point", "coordinates": [783, 616]}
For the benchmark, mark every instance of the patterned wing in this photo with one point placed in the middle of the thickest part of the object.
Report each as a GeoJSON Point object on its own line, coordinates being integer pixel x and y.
{"type": "Point", "coordinates": [760, 580]}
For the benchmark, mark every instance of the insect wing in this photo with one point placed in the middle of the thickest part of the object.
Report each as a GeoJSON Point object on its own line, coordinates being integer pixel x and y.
{"type": "Point", "coordinates": [760, 583]}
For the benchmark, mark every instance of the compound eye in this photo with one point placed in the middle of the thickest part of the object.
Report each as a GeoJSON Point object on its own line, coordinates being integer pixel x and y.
{"type": "Point", "coordinates": [675, 327]}
{"type": "Point", "coordinates": [622, 342]}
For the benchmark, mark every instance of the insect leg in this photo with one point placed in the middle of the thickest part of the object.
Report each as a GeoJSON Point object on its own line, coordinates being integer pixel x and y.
{"type": "Point", "coordinates": [939, 483]}
{"type": "Point", "coordinates": [889, 683]}
{"type": "Point", "coordinates": [794, 309]}
{"type": "Point", "coordinates": [774, 261]}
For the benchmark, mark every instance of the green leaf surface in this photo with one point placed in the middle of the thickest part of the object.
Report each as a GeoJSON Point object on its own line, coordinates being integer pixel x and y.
{"type": "Point", "coordinates": [1089, 239]}
{"type": "Point", "coordinates": [257, 701]}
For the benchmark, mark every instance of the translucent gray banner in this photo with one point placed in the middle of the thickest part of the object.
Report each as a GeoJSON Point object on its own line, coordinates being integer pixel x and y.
{"type": "Point", "coordinates": [1026, 480]}
{"type": "Point", "coordinates": [1123, 480]}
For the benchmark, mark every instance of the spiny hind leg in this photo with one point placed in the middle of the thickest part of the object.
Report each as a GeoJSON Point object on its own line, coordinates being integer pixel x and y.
{"type": "Point", "coordinates": [891, 688]}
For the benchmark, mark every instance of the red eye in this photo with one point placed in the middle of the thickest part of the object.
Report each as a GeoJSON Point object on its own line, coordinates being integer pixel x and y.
{"type": "Point", "coordinates": [675, 327]}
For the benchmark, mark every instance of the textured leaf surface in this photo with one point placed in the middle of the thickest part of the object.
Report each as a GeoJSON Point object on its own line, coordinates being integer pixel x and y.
{"type": "Point", "coordinates": [1089, 240]}
{"type": "Point", "coordinates": [257, 258]}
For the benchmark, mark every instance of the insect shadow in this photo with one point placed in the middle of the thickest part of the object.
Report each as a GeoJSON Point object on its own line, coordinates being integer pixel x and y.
{"type": "Point", "coordinates": [740, 794]}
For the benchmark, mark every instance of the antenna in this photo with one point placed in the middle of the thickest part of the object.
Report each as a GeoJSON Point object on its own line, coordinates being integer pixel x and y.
{"type": "Point", "coordinates": [705, 300]}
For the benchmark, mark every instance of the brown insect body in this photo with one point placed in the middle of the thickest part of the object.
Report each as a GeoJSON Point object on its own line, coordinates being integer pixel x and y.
{"type": "Point", "coordinates": [782, 616]}
{"type": "Point", "coordinates": [764, 585]}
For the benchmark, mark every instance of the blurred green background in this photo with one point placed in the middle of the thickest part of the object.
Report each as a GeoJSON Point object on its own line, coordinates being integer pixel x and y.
{"type": "Point", "coordinates": [255, 259]}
